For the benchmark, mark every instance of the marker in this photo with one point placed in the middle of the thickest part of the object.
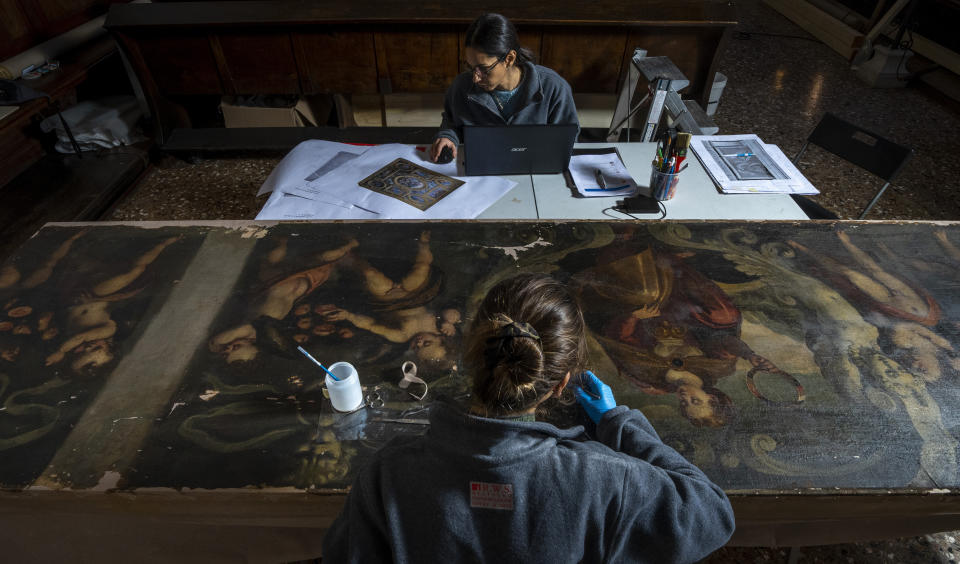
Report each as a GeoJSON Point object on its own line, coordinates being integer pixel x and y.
{"type": "Point", "coordinates": [317, 362]}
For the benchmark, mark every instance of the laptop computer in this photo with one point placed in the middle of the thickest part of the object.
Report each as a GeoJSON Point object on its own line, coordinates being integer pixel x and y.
{"type": "Point", "coordinates": [517, 149]}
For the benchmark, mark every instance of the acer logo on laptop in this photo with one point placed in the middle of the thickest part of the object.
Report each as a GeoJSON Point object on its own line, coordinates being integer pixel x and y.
{"type": "Point", "coordinates": [517, 149]}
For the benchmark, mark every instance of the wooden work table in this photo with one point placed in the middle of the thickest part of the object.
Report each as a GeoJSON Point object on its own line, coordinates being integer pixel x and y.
{"type": "Point", "coordinates": [193, 49]}
{"type": "Point", "coordinates": [152, 402]}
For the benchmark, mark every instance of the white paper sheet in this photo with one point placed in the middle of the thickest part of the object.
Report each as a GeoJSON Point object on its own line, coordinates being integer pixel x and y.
{"type": "Point", "coordinates": [617, 180]}
{"type": "Point", "coordinates": [304, 160]}
{"type": "Point", "coordinates": [282, 206]}
{"type": "Point", "coordinates": [786, 179]}
{"type": "Point", "coordinates": [802, 185]}
{"type": "Point", "coordinates": [341, 184]}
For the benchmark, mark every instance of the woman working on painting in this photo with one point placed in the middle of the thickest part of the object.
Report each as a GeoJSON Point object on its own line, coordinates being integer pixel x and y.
{"type": "Point", "coordinates": [492, 484]}
{"type": "Point", "coordinates": [501, 85]}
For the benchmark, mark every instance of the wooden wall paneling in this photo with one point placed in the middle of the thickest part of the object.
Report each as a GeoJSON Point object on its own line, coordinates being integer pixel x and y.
{"type": "Point", "coordinates": [15, 29]}
{"type": "Point", "coordinates": [167, 115]}
{"type": "Point", "coordinates": [53, 17]}
{"type": "Point", "coordinates": [341, 62]}
{"type": "Point", "coordinates": [589, 59]}
{"type": "Point", "coordinates": [384, 85]}
{"type": "Point", "coordinates": [25, 23]}
{"type": "Point", "coordinates": [261, 63]}
{"type": "Point", "coordinates": [531, 38]}
{"type": "Point", "coordinates": [692, 49]}
{"type": "Point", "coordinates": [419, 59]}
{"type": "Point", "coordinates": [221, 61]}
{"type": "Point", "coordinates": [181, 64]}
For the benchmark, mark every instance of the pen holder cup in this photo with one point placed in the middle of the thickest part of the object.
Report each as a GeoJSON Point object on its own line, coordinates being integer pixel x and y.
{"type": "Point", "coordinates": [663, 185]}
{"type": "Point", "coordinates": [346, 394]}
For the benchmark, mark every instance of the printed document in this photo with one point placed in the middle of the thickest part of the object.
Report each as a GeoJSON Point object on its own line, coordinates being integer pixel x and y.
{"type": "Point", "coordinates": [741, 164]}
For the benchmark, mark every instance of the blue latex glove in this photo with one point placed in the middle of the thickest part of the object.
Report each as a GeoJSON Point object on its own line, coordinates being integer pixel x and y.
{"type": "Point", "coordinates": [594, 396]}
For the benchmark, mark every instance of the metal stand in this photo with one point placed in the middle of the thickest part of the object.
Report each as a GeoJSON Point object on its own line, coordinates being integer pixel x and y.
{"type": "Point", "coordinates": [665, 80]}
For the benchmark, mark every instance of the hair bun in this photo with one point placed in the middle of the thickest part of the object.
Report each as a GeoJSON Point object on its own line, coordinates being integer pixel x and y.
{"type": "Point", "coordinates": [528, 333]}
{"type": "Point", "coordinates": [513, 353]}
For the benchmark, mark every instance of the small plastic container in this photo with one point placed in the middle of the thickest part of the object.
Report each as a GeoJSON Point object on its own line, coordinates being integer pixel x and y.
{"type": "Point", "coordinates": [719, 82]}
{"type": "Point", "coordinates": [346, 394]}
{"type": "Point", "coordinates": [663, 185]}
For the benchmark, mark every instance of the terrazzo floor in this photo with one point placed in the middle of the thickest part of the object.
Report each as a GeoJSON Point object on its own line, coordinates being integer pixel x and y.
{"type": "Point", "coordinates": [778, 87]}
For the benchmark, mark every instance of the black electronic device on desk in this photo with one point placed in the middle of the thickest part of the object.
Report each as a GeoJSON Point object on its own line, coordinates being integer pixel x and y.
{"type": "Point", "coordinates": [638, 204]}
{"type": "Point", "coordinates": [517, 149]}
{"type": "Point", "coordinates": [446, 155]}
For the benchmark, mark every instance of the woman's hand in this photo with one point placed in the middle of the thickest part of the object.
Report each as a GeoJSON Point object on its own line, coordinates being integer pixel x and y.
{"type": "Point", "coordinates": [438, 146]}
{"type": "Point", "coordinates": [595, 397]}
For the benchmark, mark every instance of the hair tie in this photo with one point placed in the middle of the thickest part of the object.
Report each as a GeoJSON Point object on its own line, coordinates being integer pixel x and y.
{"type": "Point", "coordinates": [508, 329]}
{"type": "Point", "coordinates": [513, 329]}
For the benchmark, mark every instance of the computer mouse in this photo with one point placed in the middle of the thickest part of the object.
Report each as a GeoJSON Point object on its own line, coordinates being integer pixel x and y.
{"type": "Point", "coordinates": [446, 155]}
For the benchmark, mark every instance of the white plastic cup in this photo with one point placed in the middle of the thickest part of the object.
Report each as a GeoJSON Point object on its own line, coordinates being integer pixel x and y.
{"type": "Point", "coordinates": [345, 394]}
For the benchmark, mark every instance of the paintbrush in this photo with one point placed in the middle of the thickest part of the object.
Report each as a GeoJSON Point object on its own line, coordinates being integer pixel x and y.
{"type": "Point", "coordinates": [317, 362]}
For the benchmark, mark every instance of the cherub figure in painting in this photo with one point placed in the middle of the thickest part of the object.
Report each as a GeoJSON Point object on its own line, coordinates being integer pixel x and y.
{"type": "Point", "coordinates": [400, 306]}
{"type": "Point", "coordinates": [89, 321]}
{"type": "Point", "coordinates": [239, 343]}
{"type": "Point", "coordinates": [404, 316]}
{"type": "Point", "coordinates": [88, 325]}
{"type": "Point", "coordinates": [904, 312]}
{"type": "Point", "coordinates": [21, 318]}
{"type": "Point", "coordinates": [667, 328]}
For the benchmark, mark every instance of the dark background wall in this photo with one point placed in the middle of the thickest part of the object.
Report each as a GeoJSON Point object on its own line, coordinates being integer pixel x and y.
{"type": "Point", "coordinates": [25, 23]}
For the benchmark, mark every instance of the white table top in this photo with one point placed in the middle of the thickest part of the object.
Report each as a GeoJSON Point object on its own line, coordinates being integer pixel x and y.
{"type": "Point", "coordinates": [546, 196]}
{"type": "Point", "coordinates": [696, 196]}
{"type": "Point", "coordinates": [518, 203]}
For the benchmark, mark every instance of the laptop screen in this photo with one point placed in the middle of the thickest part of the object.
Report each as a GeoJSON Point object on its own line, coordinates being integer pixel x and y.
{"type": "Point", "coordinates": [517, 149]}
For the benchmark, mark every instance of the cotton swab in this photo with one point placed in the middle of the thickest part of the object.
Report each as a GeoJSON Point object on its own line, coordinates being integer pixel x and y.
{"type": "Point", "coordinates": [317, 362]}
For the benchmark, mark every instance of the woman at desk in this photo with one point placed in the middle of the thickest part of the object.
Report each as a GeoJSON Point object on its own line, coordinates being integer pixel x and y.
{"type": "Point", "coordinates": [501, 85]}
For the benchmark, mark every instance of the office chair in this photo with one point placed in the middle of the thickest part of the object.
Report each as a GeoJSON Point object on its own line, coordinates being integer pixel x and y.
{"type": "Point", "coordinates": [856, 145]}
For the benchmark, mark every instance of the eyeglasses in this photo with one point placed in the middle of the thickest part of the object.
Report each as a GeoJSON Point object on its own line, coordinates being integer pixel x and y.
{"type": "Point", "coordinates": [483, 70]}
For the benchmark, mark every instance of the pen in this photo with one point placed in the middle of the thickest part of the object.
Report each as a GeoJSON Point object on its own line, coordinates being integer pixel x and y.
{"type": "Point", "coordinates": [600, 182]}
{"type": "Point", "coordinates": [743, 155]}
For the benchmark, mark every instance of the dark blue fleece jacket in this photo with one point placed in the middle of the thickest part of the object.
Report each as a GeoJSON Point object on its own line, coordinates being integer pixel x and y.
{"type": "Point", "coordinates": [544, 97]}
{"type": "Point", "coordinates": [488, 490]}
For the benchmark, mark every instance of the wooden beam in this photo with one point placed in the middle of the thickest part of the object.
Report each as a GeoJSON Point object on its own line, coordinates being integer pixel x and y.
{"type": "Point", "coordinates": [932, 50]}
{"type": "Point", "coordinates": [835, 34]}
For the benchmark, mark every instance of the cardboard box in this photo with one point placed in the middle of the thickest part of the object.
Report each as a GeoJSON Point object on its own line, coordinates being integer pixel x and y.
{"type": "Point", "coordinates": [275, 111]}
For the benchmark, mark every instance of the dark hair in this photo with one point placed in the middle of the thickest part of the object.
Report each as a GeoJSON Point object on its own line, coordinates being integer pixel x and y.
{"type": "Point", "coordinates": [527, 335]}
{"type": "Point", "coordinates": [494, 35]}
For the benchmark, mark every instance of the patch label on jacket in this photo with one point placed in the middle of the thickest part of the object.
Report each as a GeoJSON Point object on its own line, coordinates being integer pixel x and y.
{"type": "Point", "coordinates": [491, 496]}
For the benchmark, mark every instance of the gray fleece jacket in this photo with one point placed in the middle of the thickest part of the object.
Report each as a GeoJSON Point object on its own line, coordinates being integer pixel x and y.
{"type": "Point", "coordinates": [489, 490]}
{"type": "Point", "coordinates": [544, 98]}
